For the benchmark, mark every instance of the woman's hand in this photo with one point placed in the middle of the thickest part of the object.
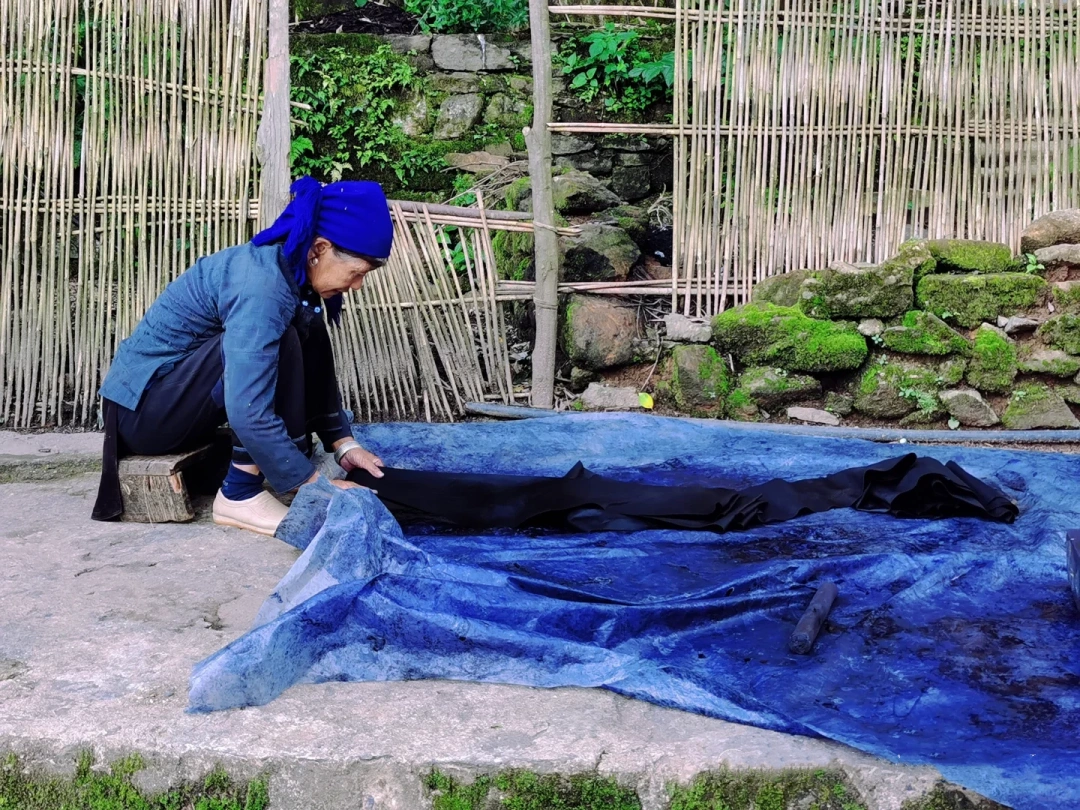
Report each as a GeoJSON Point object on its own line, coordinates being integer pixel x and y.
{"type": "Point", "coordinates": [360, 459]}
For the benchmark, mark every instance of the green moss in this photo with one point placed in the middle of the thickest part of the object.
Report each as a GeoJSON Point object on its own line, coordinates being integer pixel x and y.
{"type": "Point", "coordinates": [1062, 332]}
{"type": "Point", "coordinates": [783, 289]}
{"type": "Point", "coordinates": [513, 255]}
{"type": "Point", "coordinates": [993, 363]}
{"type": "Point", "coordinates": [524, 790]}
{"type": "Point", "coordinates": [863, 291]}
{"type": "Point", "coordinates": [914, 254]}
{"type": "Point", "coordinates": [971, 300]}
{"type": "Point", "coordinates": [1053, 362]}
{"type": "Point", "coordinates": [1067, 297]}
{"type": "Point", "coordinates": [114, 789]}
{"type": "Point", "coordinates": [699, 377]}
{"type": "Point", "coordinates": [965, 256]}
{"type": "Point", "coordinates": [768, 335]}
{"type": "Point", "coordinates": [924, 333]}
{"type": "Point", "coordinates": [771, 387]}
{"type": "Point", "coordinates": [740, 405]}
{"type": "Point", "coordinates": [317, 44]}
{"type": "Point", "coordinates": [892, 390]}
{"type": "Point", "coordinates": [757, 790]}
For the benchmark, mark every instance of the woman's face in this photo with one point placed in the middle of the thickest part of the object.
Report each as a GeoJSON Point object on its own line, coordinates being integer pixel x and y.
{"type": "Point", "coordinates": [331, 273]}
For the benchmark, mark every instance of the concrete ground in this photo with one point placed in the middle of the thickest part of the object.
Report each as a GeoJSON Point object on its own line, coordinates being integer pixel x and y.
{"type": "Point", "coordinates": [101, 623]}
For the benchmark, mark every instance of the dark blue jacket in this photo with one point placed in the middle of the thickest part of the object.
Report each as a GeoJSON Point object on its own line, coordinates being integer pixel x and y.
{"type": "Point", "coordinates": [245, 293]}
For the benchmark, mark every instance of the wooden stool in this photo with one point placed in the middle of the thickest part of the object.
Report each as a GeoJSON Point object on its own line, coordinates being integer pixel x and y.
{"type": "Point", "coordinates": [153, 487]}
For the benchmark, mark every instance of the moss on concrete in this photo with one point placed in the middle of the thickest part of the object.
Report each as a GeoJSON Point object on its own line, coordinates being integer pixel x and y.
{"type": "Point", "coordinates": [524, 790]}
{"type": "Point", "coordinates": [768, 335]}
{"type": "Point", "coordinates": [965, 256]}
{"type": "Point", "coordinates": [15, 469]}
{"type": "Point", "coordinates": [114, 789]}
{"type": "Point", "coordinates": [1062, 332]}
{"type": "Point", "coordinates": [972, 299]}
{"type": "Point", "coordinates": [765, 790]}
{"type": "Point", "coordinates": [723, 789]}
{"type": "Point", "coordinates": [993, 364]}
{"type": "Point", "coordinates": [924, 333]}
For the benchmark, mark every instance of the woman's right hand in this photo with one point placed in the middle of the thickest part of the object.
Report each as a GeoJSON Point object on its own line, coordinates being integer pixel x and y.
{"type": "Point", "coordinates": [340, 483]}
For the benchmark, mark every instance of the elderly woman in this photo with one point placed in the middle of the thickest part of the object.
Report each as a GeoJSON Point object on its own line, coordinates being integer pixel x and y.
{"type": "Point", "coordinates": [240, 337]}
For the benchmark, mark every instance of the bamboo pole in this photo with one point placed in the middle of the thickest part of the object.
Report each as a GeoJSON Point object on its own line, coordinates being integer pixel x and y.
{"type": "Point", "coordinates": [274, 137]}
{"type": "Point", "coordinates": [545, 241]}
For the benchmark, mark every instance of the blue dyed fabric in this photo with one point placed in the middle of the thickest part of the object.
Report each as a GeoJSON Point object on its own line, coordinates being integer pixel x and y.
{"type": "Point", "coordinates": [953, 643]}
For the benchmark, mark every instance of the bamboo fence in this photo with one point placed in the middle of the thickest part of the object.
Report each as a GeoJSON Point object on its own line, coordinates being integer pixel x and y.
{"type": "Point", "coordinates": [127, 151]}
{"type": "Point", "coordinates": [808, 133]}
{"type": "Point", "coordinates": [126, 134]}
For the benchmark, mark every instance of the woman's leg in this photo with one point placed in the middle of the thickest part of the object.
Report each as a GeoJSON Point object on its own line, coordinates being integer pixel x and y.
{"type": "Point", "coordinates": [179, 411]}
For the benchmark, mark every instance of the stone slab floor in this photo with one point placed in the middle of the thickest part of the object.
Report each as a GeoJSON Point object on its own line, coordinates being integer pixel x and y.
{"type": "Point", "coordinates": [101, 623]}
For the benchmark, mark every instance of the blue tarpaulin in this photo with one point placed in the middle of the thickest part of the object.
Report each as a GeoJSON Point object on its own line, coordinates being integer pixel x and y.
{"type": "Point", "coordinates": [953, 642]}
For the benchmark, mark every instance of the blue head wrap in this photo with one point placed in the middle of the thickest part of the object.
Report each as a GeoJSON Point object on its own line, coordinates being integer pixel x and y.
{"type": "Point", "coordinates": [352, 214]}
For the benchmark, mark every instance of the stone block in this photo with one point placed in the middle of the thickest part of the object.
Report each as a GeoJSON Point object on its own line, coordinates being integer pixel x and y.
{"type": "Point", "coordinates": [993, 365]}
{"type": "Point", "coordinates": [1056, 228]}
{"type": "Point", "coordinates": [682, 329]}
{"type": "Point", "coordinates": [598, 253]}
{"type": "Point", "coordinates": [598, 333]}
{"type": "Point", "coordinates": [631, 183]}
{"type": "Point", "coordinates": [783, 289]}
{"type": "Point", "coordinates": [599, 397]}
{"type": "Point", "coordinates": [858, 291]}
{"type": "Point", "coordinates": [771, 387]}
{"type": "Point", "coordinates": [969, 300]}
{"type": "Point", "coordinates": [968, 407]}
{"type": "Point", "coordinates": [458, 115]}
{"type": "Point", "coordinates": [970, 256]}
{"type": "Point", "coordinates": [699, 378]}
{"type": "Point", "coordinates": [814, 416]}
{"type": "Point", "coordinates": [1036, 407]}
{"type": "Point", "coordinates": [924, 333]}
{"type": "Point", "coordinates": [470, 53]}
{"type": "Point", "coordinates": [765, 334]}
{"type": "Point", "coordinates": [403, 43]}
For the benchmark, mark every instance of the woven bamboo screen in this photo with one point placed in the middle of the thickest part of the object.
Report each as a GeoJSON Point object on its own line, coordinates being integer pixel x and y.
{"type": "Point", "coordinates": [809, 132]}
{"type": "Point", "coordinates": [126, 140]}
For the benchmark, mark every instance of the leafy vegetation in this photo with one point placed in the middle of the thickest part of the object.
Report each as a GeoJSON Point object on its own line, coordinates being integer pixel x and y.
{"type": "Point", "coordinates": [350, 94]}
{"type": "Point", "coordinates": [114, 789]}
{"type": "Point", "coordinates": [461, 16]}
{"type": "Point", "coordinates": [614, 67]}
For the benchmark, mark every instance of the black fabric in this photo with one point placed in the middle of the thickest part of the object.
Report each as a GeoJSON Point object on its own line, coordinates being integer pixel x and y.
{"type": "Point", "coordinates": [184, 408]}
{"type": "Point", "coordinates": [908, 486]}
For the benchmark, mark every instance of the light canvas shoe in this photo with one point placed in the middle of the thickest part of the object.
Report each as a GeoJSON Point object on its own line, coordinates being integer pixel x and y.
{"type": "Point", "coordinates": [261, 513]}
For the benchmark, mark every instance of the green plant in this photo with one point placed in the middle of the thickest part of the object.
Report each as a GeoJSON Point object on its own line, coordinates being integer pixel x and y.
{"type": "Point", "coordinates": [925, 401]}
{"type": "Point", "coordinates": [352, 95]}
{"type": "Point", "coordinates": [460, 16]}
{"type": "Point", "coordinates": [1032, 264]}
{"type": "Point", "coordinates": [616, 68]}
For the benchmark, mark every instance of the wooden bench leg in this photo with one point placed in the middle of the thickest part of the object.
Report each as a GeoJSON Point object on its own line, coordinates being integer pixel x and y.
{"type": "Point", "coordinates": [153, 487]}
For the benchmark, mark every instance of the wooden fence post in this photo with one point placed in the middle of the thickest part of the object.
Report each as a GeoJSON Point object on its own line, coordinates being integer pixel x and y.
{"type": "Point", "coordinates": [546, 241]}
{"type": "Point", "coordinates": [275, 138]}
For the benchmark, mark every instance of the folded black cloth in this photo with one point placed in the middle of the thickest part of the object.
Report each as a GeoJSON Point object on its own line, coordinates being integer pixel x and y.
{"type": "Point", "coordinates": [909, 486]}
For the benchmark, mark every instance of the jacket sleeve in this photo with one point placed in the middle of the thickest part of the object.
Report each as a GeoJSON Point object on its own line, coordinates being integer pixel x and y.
{"type": "Point", "coordinates": [255, 316]}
